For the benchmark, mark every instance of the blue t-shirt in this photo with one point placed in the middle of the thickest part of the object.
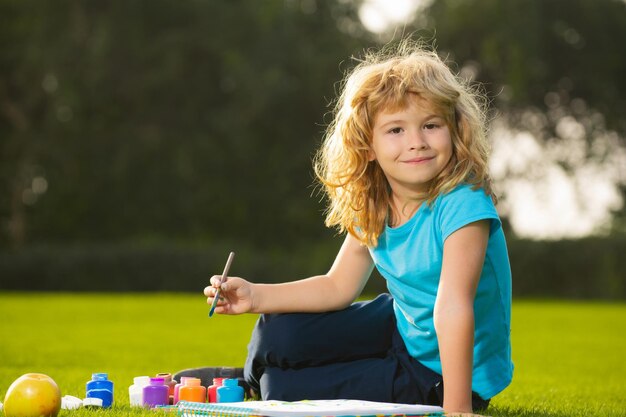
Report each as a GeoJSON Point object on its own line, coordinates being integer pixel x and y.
{"type": "Point", "coordinates": [410, 258]}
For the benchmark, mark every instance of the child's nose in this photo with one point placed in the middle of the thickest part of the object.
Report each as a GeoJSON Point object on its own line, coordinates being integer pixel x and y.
{"type": "Point", "coordinates": [417, 140]}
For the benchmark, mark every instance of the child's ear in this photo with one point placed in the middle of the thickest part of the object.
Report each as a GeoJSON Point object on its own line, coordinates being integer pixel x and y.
{"type": "Point", "coordinates": [371, 156]}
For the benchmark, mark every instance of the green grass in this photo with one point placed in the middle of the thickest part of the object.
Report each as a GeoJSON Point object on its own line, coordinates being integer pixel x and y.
{"type": "Point", "coordinates": [569, 356]}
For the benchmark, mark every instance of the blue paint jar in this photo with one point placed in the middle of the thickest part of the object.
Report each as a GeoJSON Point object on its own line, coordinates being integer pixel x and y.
{"type": "Point", "coordinates": [230, 391]}
{"type": "Point", "coordinates": [101, 387]}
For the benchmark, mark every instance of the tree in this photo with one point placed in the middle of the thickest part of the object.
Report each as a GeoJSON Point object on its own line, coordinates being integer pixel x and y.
{"type": "Point", "coordinates": [161, 119]}
{"type": "Point", "coordinates": [524, 51]}
{"type": "Point", "coordinates": [553, 69]}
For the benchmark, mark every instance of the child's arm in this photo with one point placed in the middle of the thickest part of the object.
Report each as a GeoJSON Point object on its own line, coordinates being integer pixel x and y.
{"type": "Point", "coordinates": [335, 290]}
{"type": "Point", "coordinates": [463, 258]}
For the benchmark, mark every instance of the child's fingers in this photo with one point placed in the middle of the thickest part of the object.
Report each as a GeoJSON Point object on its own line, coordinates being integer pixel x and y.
{"type": "Point", "coordinates": [222, 300]}
{"type": "Point", "coordinates": [216, 280]}
{"type": "Point", "coordinates": [229, 293]}
{"type": "Point", "coordinates": [210, 291]}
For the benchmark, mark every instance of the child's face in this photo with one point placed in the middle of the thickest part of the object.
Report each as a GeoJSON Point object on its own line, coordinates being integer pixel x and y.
{"type": "Point", "coordinates": [412, 146]}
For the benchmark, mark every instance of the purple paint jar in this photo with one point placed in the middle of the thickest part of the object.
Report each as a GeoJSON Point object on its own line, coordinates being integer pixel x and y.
{"type": "Point", "coordinates": [157, 393]}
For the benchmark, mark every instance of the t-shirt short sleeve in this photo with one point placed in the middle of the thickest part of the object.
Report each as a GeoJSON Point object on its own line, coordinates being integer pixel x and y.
{"type": "Point", "coordinates": [463, 206]}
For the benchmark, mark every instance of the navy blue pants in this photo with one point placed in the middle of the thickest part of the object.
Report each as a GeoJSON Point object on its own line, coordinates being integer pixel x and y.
{"type": "Point", "coordinates": [356, 353]}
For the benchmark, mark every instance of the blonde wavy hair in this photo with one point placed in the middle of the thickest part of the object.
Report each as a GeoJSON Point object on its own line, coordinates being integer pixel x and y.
{"type": "Point", "coordinates": [357, 189]}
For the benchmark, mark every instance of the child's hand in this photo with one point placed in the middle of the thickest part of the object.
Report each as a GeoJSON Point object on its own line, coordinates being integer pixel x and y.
{"type": "Point", "coordinates": [235, 295]}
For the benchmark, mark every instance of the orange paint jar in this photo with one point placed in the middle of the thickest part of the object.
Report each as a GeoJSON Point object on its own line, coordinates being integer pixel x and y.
{"type": "Point", "coordinates": [192, 391]}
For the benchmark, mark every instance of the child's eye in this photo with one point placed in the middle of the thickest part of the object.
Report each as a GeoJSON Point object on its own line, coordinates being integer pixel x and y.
{"type": "Point", "coordinates": [395, 130]}
{"type": "Point", "coordinates": [430, 126]}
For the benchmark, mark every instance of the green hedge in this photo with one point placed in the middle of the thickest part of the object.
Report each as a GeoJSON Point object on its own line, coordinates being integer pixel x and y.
{"type": "Point", "coordinates": [162, 267]}
{"type": "Point", "coordinates": [588, 268]}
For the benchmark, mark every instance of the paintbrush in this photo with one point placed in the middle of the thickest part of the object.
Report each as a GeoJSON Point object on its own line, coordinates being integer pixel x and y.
{"type": "Point", "coordinates": [224, 278]}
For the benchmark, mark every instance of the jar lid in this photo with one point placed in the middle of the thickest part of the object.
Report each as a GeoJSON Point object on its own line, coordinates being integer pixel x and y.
{"type": "Point", "coordinates": [230, 382]}
{"type": "Point", "coordinates": [194, 382]}
{"type": "Point", "coordinates": [165, 375]}
{"type": "Point", "coordinates": [92, 402]}
{"type": "Point", "coordinates": [141, 380]}
{"type": "Point", "coordinates": [69, 402]}
{"type": "Point", "coordinates": [157, 381]}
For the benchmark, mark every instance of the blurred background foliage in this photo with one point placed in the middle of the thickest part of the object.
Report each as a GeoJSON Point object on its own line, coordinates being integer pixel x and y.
{"type": "Point", "coordinates": [140, 141]}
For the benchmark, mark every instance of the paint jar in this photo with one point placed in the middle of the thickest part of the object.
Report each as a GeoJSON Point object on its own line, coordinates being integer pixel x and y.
{"type": "Point", "coordinates": [192, 391]}
{"type": "Point", "coordinates": [135, 391]}
{"type": "Point", "coordinates": [100, 387]}
{"type": "Point", "coordinates": [230, 391]}
{"type": "Point", "coordinates": [177, 388]}
{"type": "Point", "coordinates": [157, 393]}
{"type": "Point", "coordinates": [169, 383]}
{"type": "Point", "coordinates": [212, 391]}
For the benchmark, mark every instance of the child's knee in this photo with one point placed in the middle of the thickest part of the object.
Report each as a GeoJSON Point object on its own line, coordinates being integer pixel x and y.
{"type": "Point", "coordinates": [274, 338]}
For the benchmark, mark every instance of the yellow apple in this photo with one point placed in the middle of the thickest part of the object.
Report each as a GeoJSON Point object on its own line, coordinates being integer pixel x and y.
{"type": "Point", "coordinates": [32, 395]}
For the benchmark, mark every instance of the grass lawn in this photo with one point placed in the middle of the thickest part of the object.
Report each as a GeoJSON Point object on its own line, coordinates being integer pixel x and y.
{"type": "Point", "coordinates": [569, 356]}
